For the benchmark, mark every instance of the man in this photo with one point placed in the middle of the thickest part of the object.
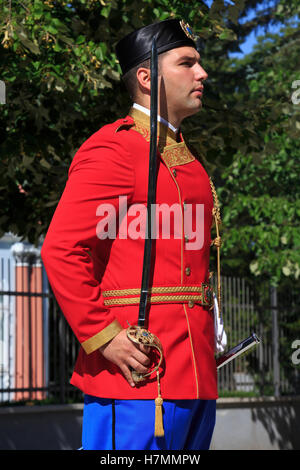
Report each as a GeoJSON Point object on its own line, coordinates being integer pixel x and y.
{"type": "Point", "coordinates": [93, 254]}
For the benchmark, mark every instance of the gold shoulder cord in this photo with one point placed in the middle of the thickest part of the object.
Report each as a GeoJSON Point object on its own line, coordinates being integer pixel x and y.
{"type": "Point", "coordinates": [217, 241]}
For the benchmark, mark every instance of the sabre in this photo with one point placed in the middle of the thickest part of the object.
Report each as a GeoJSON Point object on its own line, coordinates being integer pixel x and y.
{"type": "Point", "coordinates": [138, 333]}
{"type": "Point", "coordinates": [237, 350]}
{"type": "Point", "coordinates": [151, 184]}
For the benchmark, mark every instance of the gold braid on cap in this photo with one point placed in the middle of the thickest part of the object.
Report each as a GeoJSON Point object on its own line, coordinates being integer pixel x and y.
{"type": "Point", "coordinates": [217, 241]}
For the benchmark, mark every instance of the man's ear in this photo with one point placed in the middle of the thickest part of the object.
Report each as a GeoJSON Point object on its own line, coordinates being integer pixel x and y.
{"type": "Point", "coordinates": [144, 79]}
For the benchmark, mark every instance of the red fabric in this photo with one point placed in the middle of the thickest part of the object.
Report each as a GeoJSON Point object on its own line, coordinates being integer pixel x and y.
{"type": "Point", "coordinates": [113, 163]}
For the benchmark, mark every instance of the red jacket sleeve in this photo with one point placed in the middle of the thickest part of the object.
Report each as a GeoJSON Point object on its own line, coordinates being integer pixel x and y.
{"type": "Point", "coordinates": [101, 171]}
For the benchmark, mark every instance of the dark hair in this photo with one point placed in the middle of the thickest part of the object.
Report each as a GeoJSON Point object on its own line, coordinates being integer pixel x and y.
{"type": "Point", "coordinates": [130, 80]}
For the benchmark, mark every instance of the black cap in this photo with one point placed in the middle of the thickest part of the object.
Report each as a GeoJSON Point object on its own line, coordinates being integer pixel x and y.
{"type": "Point", "coordinates": [134, 48]}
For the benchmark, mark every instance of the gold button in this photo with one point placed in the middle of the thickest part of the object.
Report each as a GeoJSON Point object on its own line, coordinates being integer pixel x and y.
{"type": "Point", "coordinates": [186, 239]}
{"type": "Point", "coordinates": [174, 173]}
{"type": "Point", "coordinates": [191, 303]}
{"type": "Point", "coordinates": [187, 271]}
{"type": "Point", "coordinates": [184, 205]}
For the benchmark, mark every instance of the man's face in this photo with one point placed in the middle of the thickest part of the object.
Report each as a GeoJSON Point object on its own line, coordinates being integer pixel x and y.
{"type": "Point", "coordinates": [181, 85]}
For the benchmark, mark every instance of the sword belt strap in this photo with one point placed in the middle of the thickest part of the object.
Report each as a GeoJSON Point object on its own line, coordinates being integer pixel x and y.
{"type": "Point", "coordinates": [201, 294]}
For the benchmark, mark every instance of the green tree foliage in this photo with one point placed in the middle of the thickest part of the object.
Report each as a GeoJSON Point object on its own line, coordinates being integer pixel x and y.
{"type": "Point", "coordinates": [260, 190]}
{"type": "Point", "coordinates": [57, 59]}
{"type": "Point", "coordinates": [63, 83]}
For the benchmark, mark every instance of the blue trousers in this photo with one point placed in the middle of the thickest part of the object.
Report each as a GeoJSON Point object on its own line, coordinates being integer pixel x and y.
{"type": "Point", "coordinates": [129, 424]}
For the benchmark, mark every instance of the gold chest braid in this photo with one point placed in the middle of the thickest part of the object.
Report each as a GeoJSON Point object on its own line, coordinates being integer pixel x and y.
{"type": "Point", "coordinates": [178, 153]}
{"type": "Point", "coordinates": [217, 241]}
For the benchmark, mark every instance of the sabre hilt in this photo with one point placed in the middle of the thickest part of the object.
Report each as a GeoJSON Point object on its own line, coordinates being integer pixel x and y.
{"type": "Point", "coordinates": [141, 336]}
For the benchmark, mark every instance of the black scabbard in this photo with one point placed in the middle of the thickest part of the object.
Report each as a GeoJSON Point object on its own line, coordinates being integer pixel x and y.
{"type": "Point", "coordinates": [151, 186]}
{"type": "Point", "coordinates": [236, 351]}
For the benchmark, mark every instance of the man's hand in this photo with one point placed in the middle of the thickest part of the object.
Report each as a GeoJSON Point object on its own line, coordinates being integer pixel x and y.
{"type": "Point", "coordinates": [125, 354]}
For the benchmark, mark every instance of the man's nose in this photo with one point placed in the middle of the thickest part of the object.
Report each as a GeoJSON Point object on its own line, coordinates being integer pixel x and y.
{"type": "Point", "coordinates": [201, 73]}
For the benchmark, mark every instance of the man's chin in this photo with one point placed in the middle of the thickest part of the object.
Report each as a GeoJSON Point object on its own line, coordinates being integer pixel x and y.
{"type": "Point", "coordinates": [194, 109]}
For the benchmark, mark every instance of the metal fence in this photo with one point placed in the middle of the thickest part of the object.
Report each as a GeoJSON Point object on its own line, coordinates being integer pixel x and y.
{"type": "Point", "coordinates": [272, 313]}
{"type": "Point", "coordinates": [38, 349]}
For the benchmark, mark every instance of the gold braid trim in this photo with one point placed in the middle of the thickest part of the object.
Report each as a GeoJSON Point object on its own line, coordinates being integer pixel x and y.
{"type": "Point", "coordinates": [216, 209]}
{"type": "Point", "coordinates": [217, 241]}
{"type": "Point", "coordinates": [154, 290]}
{"type": "Point", "coordinates": [95, 342]}
{"type": "Point", "coordinates": [159, 298]}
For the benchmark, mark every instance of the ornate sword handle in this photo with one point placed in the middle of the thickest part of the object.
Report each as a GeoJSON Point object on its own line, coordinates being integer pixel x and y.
{"type": "Point", "coordinates": [142, 336]}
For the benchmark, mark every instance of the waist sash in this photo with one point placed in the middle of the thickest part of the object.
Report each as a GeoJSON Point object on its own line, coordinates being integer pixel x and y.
{"type": "Point", "coordinates": [201, 294]}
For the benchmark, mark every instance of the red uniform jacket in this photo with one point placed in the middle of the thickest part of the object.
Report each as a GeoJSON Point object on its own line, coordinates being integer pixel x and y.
{"type": "Point", "coordinates": [107, 185]}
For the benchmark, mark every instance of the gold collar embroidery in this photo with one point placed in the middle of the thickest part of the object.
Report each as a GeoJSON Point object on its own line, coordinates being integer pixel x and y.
{"type": "Point", "coordinates": [173, 153]}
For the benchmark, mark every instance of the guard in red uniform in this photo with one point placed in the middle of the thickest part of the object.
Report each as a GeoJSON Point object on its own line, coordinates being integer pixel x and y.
{"type": "Point", "coordinates": [93, 255]}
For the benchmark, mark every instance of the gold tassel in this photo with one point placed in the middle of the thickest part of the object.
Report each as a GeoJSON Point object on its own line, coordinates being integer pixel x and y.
{"type": "Point", "coordinates": [159, 426]}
